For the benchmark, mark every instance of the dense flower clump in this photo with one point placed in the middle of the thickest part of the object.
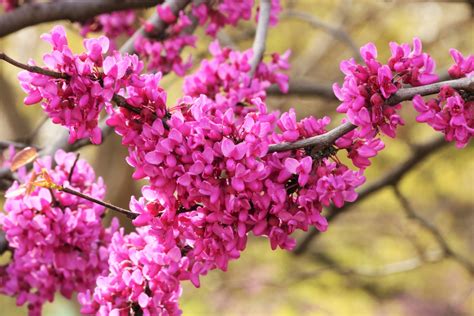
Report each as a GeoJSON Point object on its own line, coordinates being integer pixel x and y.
{"type": "Point", "coordinates": [58, 241]}
{"type": "Point", "coordinates": [111, 24]}
{"type": "Point", "coordinates": [212, 180]}
{"type": "Point", "coordinates": [450, 113]}
{"type": "Point", "coordinates": [76, 99]}
{"type": "Point", "coordinates": [367, 88]}
{"type": "Point", "coordinates": [163, 51]}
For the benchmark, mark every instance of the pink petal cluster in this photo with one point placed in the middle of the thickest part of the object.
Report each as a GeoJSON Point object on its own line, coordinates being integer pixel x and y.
{"type": "Point", "coordinates": [111, 24]}
{"type": "Point", "coordinates": [58, 242]}
{"type": "Point", "coordinates": [164, 54]}
{"type": "Point", "coordinates": [449, 113]}
{"type": "Point", "coordinates": [142, 280]}
{"type": "Point", "coordinates": [413, 66]}
{"type": "Point", "coordinates": [366, 88]}
{"type": "Point", "coordinates": [463, 67]}
{"type": "Point", "coordinates": [229, 12]}
{"type": "Point", "coordinates": [224, 12]}
{"type": "Point", "coordinates": [212, 181]}
{"type": "Point", "coordinates": [76, 101]}
{"type": "Point", "coordinates": [360, 149]}
{"type": "Point", "coordinates": [225, 78]}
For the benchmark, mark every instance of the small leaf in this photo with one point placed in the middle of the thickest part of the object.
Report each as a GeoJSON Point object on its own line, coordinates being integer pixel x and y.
{"type": "Point", "coordinates": [23, 157]}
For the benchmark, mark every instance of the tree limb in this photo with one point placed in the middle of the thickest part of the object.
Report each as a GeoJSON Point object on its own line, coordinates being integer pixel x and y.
{"type": "Point", "coordinates": [337, 33]}
{"type": "Point", "coordinates": [392, 178]}
{"type": "Point", "coordinates": [303, 88]}
{"type": "Point", "coordinates": [74, 11]}
{"type": "Point", "coordinates": [434, 231]}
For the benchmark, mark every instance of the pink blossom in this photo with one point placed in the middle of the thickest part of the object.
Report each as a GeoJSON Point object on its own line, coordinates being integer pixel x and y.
{"type": "Point", "coordinates": [463, 67]}
{"type": "Point", "coordinates": [449, 114]}
{"type": "Point", "coordinates": [58, 240]}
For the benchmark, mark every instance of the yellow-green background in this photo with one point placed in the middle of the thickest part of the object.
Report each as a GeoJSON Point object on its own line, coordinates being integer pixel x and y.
{"type": "Point", "coordinates": [372, 235]}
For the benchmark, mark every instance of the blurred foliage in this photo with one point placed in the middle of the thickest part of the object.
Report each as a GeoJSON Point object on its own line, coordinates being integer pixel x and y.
{"type": "Point", "coordinates": [373, 235]}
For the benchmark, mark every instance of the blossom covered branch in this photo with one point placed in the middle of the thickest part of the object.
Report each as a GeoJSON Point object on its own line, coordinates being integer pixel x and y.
{"type": "Point", "coordinates": [213, 175]}
{"type": "Point", "coordinates": [404, 94]}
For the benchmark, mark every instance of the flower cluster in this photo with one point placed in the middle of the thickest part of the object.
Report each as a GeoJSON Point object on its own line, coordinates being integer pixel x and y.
{"type": "Point", "coordinates": [76, 98]}
{"type": "Point", "coordinates": [163, 51]}
{"type": "Point", "coordinates": [449, 114]}
{"type": "Point", "coordinates": [111, 24]}
{"type": "Point", "coordinates": [367, 88]}
{"type": "Point", "coordinates": [463, 67]}
{"type": "Point", "coordinates": [229, 12]}
{"type": "Point", "coordinates": [142, 279]}
{"type": "Point", "coordinates": [212, 180]}
{"type": "Point", "coordinates": [58, 241]}
{"type": "Point", "coordinates": [225, 78]}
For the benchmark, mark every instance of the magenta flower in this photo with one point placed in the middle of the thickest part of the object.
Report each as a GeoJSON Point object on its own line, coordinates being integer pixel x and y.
{"type": "Point", "coordinates": [463, 67]}
{"type": "Point", "coordinates": [58, 239]}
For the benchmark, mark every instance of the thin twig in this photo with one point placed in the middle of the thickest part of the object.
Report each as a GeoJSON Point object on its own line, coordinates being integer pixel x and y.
{"type": "Point", "coordinates": [112, 207]}
{"type": "Point", "coordinates": [34, 69]}
{"type": "Point", "coordinates": [336, 32]}
{"type": "Point", "coordinates": [392, 178]}
{"type": "Point", "coordinates": [377, 272]}
{"type": "Point", "coordinates": [440, 239]}
{"type": "Point", "coordinates": [71, 172]}
{"type": "Point", "coordinates": [260, 40]}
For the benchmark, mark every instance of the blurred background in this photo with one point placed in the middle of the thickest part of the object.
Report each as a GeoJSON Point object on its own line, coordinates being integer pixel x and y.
{"type": "Point", "coordinates": [403, 251]}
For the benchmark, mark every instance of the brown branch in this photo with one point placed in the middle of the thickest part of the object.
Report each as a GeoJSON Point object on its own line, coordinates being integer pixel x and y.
{"type": "Point", "coordinates": [32, 68]}
{"type": "Point", "coordinates": [304, 88]}
{"type": "Point", "coordinates": [376, 272]}
{"type": "Point", "coordinates": [325, 140]}
{"type": "Point", "coordinates": [6, 143]}
{"type": "Point", "coordinates": [434, 231]}
{"type": "Point", "coordinates": [337, 32]}
{"type": "Point", "coordinates": [74, 11]}
{"type": "Point", "coordinates": [112, 207]}
{"type": "Point", "coordinates": [420, 152]}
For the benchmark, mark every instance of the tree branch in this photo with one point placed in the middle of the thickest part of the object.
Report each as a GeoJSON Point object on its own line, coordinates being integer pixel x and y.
{"type": "Point", "coordinates": [112, 207]}
{"type": "Point", "coordinates": [324, 140]}
{"type": "Point", "coordinates": [74, 11]}
{"type": "Point", "coordinates": [260, 40]}
{"type": "Point", "coordinates": [392, 178]}
{"type": "Point", "coordinates": [32, 68]}
{"type": "Point", "coordinates": [336, 32]}
{"type": "Point", "coordinates": [304, 88]}
{"type": "Point", "coordinates": [440, 239]}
